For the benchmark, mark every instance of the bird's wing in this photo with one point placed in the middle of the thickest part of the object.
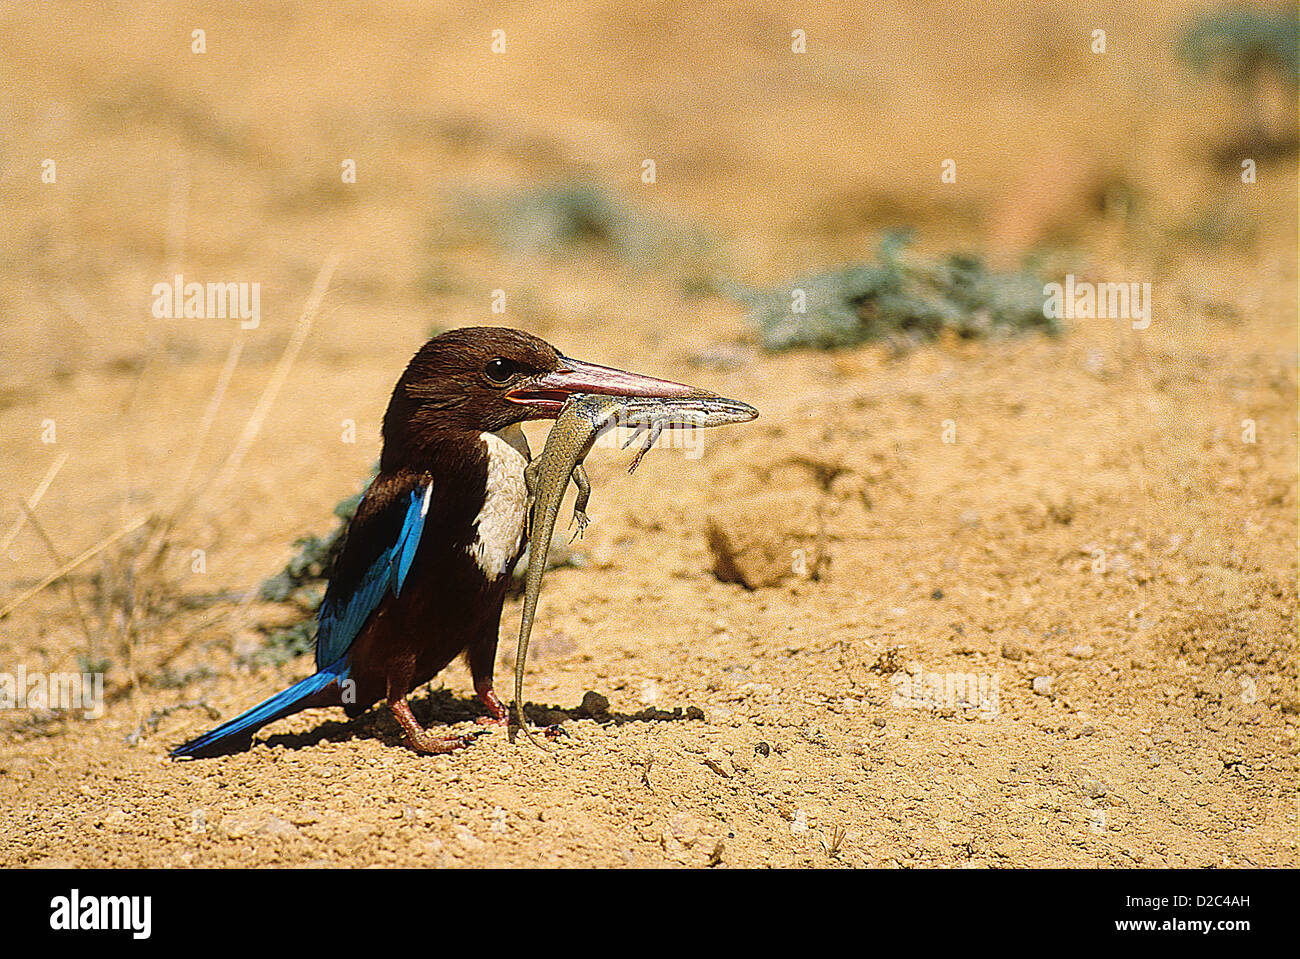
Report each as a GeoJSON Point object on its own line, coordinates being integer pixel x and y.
{"type": "Point", "coordinates": [347, 605]}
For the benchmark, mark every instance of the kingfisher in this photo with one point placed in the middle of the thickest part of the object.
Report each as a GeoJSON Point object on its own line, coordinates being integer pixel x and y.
{"type": "Point", "coordinates": [426, 560]}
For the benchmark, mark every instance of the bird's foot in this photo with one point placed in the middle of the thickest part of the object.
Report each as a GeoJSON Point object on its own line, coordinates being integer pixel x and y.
{"type": "Point", "coordinates": [423, 740]}
{"type": "Point", "coordinates": [427, 743]}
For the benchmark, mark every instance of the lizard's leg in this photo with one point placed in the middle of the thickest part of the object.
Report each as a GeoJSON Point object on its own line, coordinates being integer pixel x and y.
{"type": "Point", "coordinates": [420, 739]}
{"type": "Point", "coordinates": [580, 504]}
{"type": "Point", "coordinates": [532, 481]}
{"type": "Point", "coordinates": [640, 428]}
{"type": "Point", "coordinates": [651, 438]}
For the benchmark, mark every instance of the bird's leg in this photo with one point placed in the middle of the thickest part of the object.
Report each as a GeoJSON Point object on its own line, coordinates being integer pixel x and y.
{"type": "Point", "coordinates": [580, 504]}
{"type": "Point", "coordinates": [420, 739]}
{"type": "Point", "coordinates": [481, 656]}
{"type": "Point", "coordinates": [494, 705]}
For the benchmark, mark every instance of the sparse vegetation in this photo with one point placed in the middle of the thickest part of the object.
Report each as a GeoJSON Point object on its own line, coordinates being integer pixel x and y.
{"type": "Point", "coordinates": [1242, 42]}
{"type": "Point", "coordinates": [1255, 54]}
{"type": "Point", "coordinates": [302, 575]}
{"type": "Point", "coordinates": [897, 301]}
{"type": "Point", "coordinates": [582, 219]}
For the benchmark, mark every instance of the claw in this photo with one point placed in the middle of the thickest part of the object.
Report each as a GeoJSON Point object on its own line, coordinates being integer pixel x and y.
{"type": "Point", "coordinates": [636, 460]}
{"type": "Point", "coordinates": [432, 745]}
{"type": "Point", "coordinates": [583, 522]}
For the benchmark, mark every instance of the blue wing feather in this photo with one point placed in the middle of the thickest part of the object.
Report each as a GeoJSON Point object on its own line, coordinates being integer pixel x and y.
{"type": "Point", "coordinates": [340, 618]}
{"type": "Point", "coordinates": [410, 537]}
{"type": "Point", "coordinates": [339, 622]}
{"type": "Point", "coordinates": [284, 703]}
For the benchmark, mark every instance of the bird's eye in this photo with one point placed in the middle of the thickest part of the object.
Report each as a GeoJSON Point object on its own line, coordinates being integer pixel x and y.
{"type": "Point", "coordinates": [500, 370]}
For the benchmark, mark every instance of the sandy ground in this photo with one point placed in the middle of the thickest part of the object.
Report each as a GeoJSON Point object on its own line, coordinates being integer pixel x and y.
{"type": "Point", "coordinates": [1101, 528]}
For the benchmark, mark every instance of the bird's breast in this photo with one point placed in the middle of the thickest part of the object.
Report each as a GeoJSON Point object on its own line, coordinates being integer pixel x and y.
{"type": "Point", "coordinates": [499, 525]}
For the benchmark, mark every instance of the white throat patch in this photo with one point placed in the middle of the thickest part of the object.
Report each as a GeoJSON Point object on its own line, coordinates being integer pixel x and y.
{"type": "Point", "coordinates": [500, 523]}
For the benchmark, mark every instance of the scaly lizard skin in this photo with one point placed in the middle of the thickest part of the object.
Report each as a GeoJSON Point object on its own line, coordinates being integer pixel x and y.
{"type": "Point", "coordinates": [584, 418]}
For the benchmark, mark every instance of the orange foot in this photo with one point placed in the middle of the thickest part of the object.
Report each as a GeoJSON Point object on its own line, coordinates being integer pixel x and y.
{"type": "Point", "coordinates": [494, 705]}
{"type": "Point", "coordinates": [422, 740]}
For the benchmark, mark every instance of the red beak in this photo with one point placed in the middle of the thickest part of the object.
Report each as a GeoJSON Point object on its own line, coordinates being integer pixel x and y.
{"type": "Point", "coordinates": [547, 395]}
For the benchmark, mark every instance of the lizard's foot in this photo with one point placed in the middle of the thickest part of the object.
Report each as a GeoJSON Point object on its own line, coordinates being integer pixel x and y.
{"type": "Point", "coordinates": [422, 740]}
{"type": "Point", "coordinates": [582, 521]}
{"type": "Point", "coordinates": [499, 717]}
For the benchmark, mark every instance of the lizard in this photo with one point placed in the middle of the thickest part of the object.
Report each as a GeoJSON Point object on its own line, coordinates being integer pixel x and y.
{"type": "Point", "coordinates": [584, 418]}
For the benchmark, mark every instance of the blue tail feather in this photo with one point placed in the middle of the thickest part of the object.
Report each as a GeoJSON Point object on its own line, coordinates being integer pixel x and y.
{"type": "Point", "coordinates": [284, 703]}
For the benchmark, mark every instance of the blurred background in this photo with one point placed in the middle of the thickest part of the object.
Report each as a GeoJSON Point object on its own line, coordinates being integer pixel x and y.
{"type": "Point", "coordinates": [645, 185]}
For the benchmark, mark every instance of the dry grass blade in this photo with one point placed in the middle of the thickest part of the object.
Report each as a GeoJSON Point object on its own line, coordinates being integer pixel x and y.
{"type": "Point", "coordinates": [72, 564]}
{"type": "Point", "coordinates": [180, 504]}
{"type": "Point", "coordinates": [836, 840]}
{"type": "Point", "coordinates": [240, 611]}
{"type": "Point", "coordinates": [58, 562]}
{"type": "Point", "coordinates": [278, 376]}
{"type": "Point", "coordinates": [34, 500]}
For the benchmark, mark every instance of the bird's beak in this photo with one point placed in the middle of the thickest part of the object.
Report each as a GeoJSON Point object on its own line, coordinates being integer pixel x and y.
{"type": "Point", "coordinates": [546, 394]}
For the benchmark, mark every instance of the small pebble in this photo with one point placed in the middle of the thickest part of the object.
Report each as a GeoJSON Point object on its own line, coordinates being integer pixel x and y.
{"type": "Point", "coordinates": [594, 705]}
{"type": "Point", "coordinates": [467, 839]}
{"type": "Point", "coordinates": [683, 828]}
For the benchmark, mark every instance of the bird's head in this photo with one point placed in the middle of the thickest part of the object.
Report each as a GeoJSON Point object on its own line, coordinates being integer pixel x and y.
{"type": "Point", "coordinates": [483, 379]}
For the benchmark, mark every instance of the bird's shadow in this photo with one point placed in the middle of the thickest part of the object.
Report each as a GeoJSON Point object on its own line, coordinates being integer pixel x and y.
{"type": "Point", "coordinates": [442, 707]}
